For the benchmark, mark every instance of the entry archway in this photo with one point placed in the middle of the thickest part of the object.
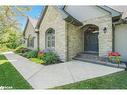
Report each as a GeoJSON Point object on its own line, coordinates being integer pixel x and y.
{"type": "Point", "coordinates": [91, 33]}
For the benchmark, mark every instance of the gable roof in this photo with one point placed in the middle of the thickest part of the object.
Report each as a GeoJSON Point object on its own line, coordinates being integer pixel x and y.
{"type": "Point", "coordinates": [114, 11]}
{"type": "Point", "coordinates": [116, 15]}
{"type": "Point", "coordinates": [84, 12]}
{"type": "Point", "coordinates": [66, 16]}
{"type": "Point", "coordinates": [32, 21]}
{"type": "Point", "coordinates": [41, 17]}
{"type": "Point", "coordinates": [122, 9]}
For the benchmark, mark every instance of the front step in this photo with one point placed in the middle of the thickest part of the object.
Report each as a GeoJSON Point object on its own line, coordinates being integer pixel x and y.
{"type": "Point", "coordinates": [87, 56]}
{"type": "Point", "coordinates": [90, 52]}
{"type": "Point", "coordinates": [97, 60]}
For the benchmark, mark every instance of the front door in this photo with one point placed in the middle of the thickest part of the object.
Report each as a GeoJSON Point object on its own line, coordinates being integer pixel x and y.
{"type": "Point", "coordinates": [91, 41]}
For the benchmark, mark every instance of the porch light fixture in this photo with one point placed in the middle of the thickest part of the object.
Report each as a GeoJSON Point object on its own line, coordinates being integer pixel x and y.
{"type": "Point", "coordinates": [36, 30]}
{"type": "Point", "coordinates": [105, 29]}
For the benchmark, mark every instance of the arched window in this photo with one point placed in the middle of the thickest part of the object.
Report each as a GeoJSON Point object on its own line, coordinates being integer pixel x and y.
{"type": "Point", "coordinates": [50, 39]}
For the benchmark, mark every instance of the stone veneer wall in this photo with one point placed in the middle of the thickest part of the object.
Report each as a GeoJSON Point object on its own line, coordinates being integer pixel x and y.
{"type": "Point", "coordinates": [69, 38]}
{"type": "Point", "coordinates": [53, 19]}
{"type": "Point", "coordinates": [76, 36]}
{"type": "Point", "coordinates": [31, 31]}
{"type": "Point", "coordinates": [105, 39]}
{"type": "Point", "coordinates": [74, 40]}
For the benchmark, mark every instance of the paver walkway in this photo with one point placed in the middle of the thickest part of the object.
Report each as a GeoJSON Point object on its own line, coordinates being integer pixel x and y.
{"type": "Point", "coordinates": [42, 77]}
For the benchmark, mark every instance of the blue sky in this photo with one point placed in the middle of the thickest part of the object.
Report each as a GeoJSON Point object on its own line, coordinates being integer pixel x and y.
{"type": "Point", "coordinates": [34, 13]}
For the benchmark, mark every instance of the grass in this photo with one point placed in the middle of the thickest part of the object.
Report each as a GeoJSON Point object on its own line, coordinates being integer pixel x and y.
{"type": "Point", "coordinates": [10, 77]}
{"type": "Point", "coordinates": [112, 81]}
{"type": "Point", "coordinates": [37, 60]}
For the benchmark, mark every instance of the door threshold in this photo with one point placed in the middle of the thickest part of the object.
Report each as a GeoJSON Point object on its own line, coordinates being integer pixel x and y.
{"type": "Point", "coordinates": [91, 52]}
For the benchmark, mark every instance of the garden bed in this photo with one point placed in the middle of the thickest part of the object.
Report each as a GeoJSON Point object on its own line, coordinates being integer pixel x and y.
{"type": "Point", "coordinates": [44, 57]}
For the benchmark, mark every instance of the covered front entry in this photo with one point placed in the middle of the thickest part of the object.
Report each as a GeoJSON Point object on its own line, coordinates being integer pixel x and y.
{"type": "Point", "coordinates": [91, 38]}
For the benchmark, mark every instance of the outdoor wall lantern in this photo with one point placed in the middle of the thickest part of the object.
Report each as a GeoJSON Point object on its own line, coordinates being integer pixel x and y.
{"type": "Point", "coordinates": [105, 29]}
{"type": "Point", "coordinates": [36, 30]}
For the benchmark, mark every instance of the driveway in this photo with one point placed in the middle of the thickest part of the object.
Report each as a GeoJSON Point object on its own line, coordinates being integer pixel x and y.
{"type": "Point", "coordinates": [42, 77]}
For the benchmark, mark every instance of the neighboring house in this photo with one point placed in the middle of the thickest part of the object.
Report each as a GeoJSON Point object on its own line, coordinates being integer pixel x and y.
{"type": "Point", "coordinates": [70, 30]}
{"type": "Point", "coordinates": [29, 34]}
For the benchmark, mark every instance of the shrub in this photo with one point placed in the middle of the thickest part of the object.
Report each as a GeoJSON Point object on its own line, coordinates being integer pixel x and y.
{"type": "Point", "coordinates": [50, 58]}
{"type": "Point", "coordinates": [24, 54]}
{"type": "Point", "coordinates": [21, 49]}
{"type": "Point", "coordinates": [18, 49]}
{"type": "Point", "coordinates": [12, 45]}
{"type": "Point", "coordinates": [31, 54]}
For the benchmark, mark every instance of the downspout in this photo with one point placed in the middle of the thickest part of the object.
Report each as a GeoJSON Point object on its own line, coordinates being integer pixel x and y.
{"type": "Point", "coordinates": [38, 34]}
{"type": "Point", "coordinates": [67, 42]}
{"type": "Point", "coordinates": [113, 37]}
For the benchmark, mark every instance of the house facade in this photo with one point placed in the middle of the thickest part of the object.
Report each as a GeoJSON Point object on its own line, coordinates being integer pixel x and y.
{"type": "Point", "coordinates": [30, 35]}
{"type": "Point", "coordinates": [71, 30]}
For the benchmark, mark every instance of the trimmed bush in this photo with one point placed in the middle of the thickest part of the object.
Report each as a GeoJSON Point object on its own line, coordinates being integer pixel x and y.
{"type": "Point", "coordinates": [50, 58]}
{"type": "Point", "coordinates": [24, 54]}
{"type": "Point", "coordinates": [21, 49]}
{"type": "Point", "coordinates": [31, 54]}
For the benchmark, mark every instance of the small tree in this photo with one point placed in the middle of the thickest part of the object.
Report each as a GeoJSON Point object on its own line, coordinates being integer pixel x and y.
{"type": "Point", "coordinates": [9, 25]}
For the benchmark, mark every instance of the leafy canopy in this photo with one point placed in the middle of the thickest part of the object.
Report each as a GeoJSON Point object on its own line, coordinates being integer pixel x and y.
{"type": "Point", "coordinates": [10, 30]}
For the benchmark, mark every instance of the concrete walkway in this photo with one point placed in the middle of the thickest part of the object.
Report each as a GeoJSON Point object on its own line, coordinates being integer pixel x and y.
{"type": "Point", "coordinates": [42, 77]}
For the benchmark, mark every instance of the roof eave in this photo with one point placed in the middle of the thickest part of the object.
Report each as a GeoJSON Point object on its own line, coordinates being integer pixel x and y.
{"type": "Point", "coordinates": [71, 19]}
{"type": "Point", "coordinates": [116, 17]}
{"type": "Point", "coordinates": [25, 27]}
{"type": "Point", "coordinates": [41, 18]}
{"type": "Point", "coordinates": [120, 13]}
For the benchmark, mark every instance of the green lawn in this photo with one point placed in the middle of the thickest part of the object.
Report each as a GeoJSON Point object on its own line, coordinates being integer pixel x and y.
{"type": "Point", "coordinates": [112, 81]}
{"type": "Point", "coordinates": [10, 77]}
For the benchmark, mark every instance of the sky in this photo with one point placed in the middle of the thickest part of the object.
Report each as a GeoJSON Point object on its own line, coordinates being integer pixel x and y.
{"type": "Point", "coordinates": [34, 13]}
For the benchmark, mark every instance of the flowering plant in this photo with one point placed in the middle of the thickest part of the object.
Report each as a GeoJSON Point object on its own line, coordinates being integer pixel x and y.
{"type": "Point", "coordinates": [113, 54]}
{"type": "Point", "coordinates": [41, 53]}
{"type": "Point", "coordinates": [114, 57]}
